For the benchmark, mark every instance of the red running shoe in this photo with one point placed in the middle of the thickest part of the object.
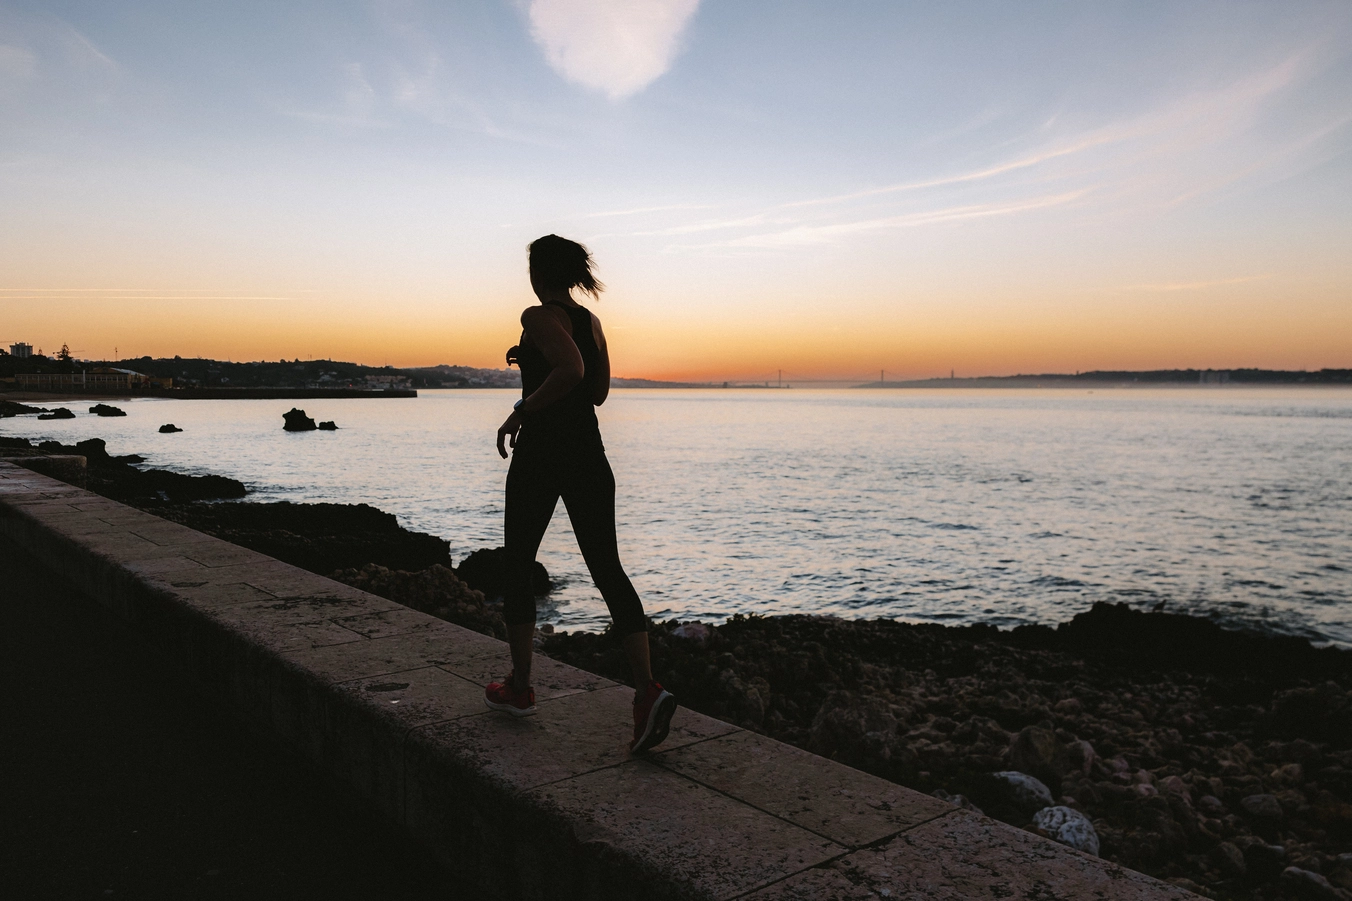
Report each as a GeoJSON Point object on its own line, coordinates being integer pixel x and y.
{"type": "Point", "coordinates": [501, 696]}
{"type": "Point", "coordinates": [652, 717]}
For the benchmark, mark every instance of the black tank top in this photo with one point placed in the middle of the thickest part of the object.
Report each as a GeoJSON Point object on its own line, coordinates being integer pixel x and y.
{"type": "Point", "coordinates": [574, 412]}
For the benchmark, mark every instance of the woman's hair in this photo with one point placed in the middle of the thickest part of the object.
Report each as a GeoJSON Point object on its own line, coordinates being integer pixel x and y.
{"type": "Point", "coordinates": [559, 263]}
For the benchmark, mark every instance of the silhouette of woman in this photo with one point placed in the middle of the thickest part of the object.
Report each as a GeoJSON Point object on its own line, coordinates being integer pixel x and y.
{"type": "Point", "coordinates": [557, 453]}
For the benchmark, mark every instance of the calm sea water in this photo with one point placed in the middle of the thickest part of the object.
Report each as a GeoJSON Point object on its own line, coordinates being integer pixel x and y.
{"type": "Point", "coordinates": [953, 506]}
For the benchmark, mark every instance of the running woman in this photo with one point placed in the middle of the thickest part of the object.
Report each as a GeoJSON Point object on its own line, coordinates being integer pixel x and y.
{"type": "Point", "coordinates": [557, 453]}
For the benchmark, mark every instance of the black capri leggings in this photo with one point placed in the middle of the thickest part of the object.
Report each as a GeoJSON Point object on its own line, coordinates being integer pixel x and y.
{"type": "Point", "coordinates": [544, 468]}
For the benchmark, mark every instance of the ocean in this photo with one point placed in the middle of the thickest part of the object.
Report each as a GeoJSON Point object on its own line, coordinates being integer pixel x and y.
{"type": "Point", "coordinates": [949, 506]}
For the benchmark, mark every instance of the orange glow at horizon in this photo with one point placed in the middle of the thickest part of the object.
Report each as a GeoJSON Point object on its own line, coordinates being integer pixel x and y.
{"type": "Point", "coordinates": [1225, 327]}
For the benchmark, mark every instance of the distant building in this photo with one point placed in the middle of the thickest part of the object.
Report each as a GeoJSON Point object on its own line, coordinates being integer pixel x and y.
{"type": "Point", "coordinates": [21, 351]}
{"type": "Point", "coordinates": [104, 378]}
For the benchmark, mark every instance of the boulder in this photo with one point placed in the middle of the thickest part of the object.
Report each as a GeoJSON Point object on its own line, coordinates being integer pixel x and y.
{"type": "Point", "coordinates": [1037, 752]}
{"type": "Point", "coordinates": [1013, 796]}
{"type": "Point", "coordinates": [486, 570]}
{"type": "Point", "coordinates": [1229, 860]}
{"type": "Point", "coordinates": [1262, 807]}
{"type": "Point", "coordinates": [106, 410]}
{"type": "Point", "coordinates": [857, 731]}
{"type": "Point", "coordinates": [328, 426]}
{"type": "Point", "coordinates": [169, 428]}
{"type": "Point", "coordinates": [1308, 884]}
{"type": "Point", "coordinates": [698, 633]}
{"type": "Point", "coordinates": [958, 800]}
{"type": "Point", "coordinates": [58, 413]}
{"type": "Point", "coordinates": [297, 421]}
{"type": "Point", "coordinates": [1080, 757]}
{"type": "Point", "coordinates": [1069, 827]}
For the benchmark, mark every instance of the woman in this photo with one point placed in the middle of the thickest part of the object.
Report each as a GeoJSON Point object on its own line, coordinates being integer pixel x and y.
{"type": "Point", "coordinates": [557, 453]}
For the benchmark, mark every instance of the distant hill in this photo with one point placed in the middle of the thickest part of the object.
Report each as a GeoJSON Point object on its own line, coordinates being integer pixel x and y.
{"type": "Point", "coordinates": [200, 372]}
{"type": "Point", "coordinates": [1150, 377]}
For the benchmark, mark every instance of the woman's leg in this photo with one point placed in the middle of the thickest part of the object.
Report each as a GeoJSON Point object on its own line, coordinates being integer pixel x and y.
{"type": "Point", "coordinates": [589, 494]}
{"type": "Point", "coordinates": [531, 497]}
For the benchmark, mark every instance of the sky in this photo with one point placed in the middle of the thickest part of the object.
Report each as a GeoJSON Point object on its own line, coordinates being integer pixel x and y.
{"type": "Point", "coordinates": [827, 189]}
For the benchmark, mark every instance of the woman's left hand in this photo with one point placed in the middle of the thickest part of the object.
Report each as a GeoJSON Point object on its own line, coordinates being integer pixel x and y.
{"type": "Point", "coordinates": [508, 430]}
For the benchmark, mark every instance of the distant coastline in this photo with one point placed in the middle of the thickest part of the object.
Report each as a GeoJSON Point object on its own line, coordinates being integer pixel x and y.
{"type": "Point", "coordinates": [39, 376]}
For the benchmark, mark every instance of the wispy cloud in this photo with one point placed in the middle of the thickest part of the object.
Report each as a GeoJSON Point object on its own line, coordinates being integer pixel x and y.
{"type": "Point", "coordinates": [618, 47]}
{"type": "Point", "coordinates": [822, 234]}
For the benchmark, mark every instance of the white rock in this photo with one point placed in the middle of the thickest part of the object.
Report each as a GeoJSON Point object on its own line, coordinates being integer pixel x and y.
{"type": "Point", "coordinates": [1027, 792]}
{"type": "Point", "coordinates": [1069, 827]}
{"type": "Point", "coordinates": [699, 633]}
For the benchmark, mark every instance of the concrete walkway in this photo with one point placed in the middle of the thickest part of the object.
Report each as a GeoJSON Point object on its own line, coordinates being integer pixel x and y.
{"type": "Point", "coordinates": [388, 701]}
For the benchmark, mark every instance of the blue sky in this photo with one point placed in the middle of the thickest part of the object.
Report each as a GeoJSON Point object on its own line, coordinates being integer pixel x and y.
{"type": "Point", "coordinates": [826, 188]}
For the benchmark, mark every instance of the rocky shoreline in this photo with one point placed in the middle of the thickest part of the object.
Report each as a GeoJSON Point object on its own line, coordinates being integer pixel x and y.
{"type": "Point", "coordinates": [1220, 760]}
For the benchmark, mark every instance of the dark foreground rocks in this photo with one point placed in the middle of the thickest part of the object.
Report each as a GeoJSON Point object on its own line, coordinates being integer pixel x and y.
{"type": "Point", "coordinates": [436, 590]}
{"type": "Point", "coordinates": [1215, 758]}
{"type": "Point", "coordinates": [58, 413]}
{"type": "Point", "coordinates": [319, 537]}
{"type": "Point", "coordinates": [107, 410]}
{"type": "Point", "coordinates": [120, 479]}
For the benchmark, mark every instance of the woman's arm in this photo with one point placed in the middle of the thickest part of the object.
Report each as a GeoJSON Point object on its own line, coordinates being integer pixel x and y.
{"type": "Point", "coordinates": [600, 386]}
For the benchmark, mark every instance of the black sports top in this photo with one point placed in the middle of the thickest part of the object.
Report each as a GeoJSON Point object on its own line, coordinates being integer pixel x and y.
{"type": "Point", "coordinates": [574, 412]}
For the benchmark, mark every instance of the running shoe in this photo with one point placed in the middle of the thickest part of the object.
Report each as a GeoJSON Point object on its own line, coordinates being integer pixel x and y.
{"type": "Point", "coordinates": [652, 717]}
{"type": "Point", "coordinates": [501, 696]}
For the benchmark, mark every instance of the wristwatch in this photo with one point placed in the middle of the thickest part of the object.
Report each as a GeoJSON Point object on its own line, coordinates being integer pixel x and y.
{"type": "Point", "coordinates": [517, 405]}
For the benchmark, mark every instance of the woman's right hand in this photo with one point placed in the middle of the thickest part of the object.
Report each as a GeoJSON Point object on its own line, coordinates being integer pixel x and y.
{"type": "Point", "coordinates": [508, 430]}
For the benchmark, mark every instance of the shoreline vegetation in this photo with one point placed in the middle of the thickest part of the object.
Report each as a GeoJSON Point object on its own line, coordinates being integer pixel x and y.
{"type": "Point", "coordinates": [1219, 760]}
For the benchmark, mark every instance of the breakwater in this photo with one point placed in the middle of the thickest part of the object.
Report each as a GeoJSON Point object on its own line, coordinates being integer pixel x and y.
{"type": "Point", "coordinates": [387, 700]}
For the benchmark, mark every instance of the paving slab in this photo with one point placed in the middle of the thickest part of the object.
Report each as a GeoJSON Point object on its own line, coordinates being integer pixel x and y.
{"type": "Point", "coordinates": [171, 533]}
{"type": "Point", "coordinates": [549, 678]}
{"type": "Point", "coordinates": [394, 619]}
{"type": "Point", "coordinates": [218, 553]}
{"type": "Point", "coordinates": [440, 643]}
{"type": "Point", "coordinates": [849, 807]}
{"type": "Point", "coordinates": [680, 832]}
{"type": "Point", "coordinates": [572, 733]}
{"type": "Point", "coordinates": [963, 856]}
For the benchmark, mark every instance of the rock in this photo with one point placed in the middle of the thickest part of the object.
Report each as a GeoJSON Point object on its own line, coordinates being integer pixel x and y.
{"type": "Point", "coordinates": [1068, 706]}
{"type": "Point", "coordinates": [958, 800]}
{"type": "Point", "coordinates": [328, 426]}
{"type": "Point", "coordinates": [699, 633]}
{"type": "Point", "coordinates": [10, 408]}
{"type": "Point", "coordinates": [436, 590]}
{"type": "Point", "coordinates": [1037, 752]}
{"type": "Point", "coordinates": [485, 570]}
{"type": "Point", "coordinates": [106, 410]}
{"type": "Point", "coordinates": [1211, 806]}
{"type": "Point", "coordinates": [1069, 827]}
{"type": "Point", "coordinates": [297, 421]}
{"type": "Point", "coordinates": [169, 428]}
{"type": "Point", "coordinates": [1229, 860]}
{"type": "Point", "coordinates": [1311, 885]}
{"type": "Point", "coordinates": [1264, 861]}
{"type": "Point", "coordinates": [58, 413]}
{"type": "Point", "coordinates": [1022, 793]}
{"type": "Point", "coordinates": [857, 731]}
{"type": "Point", "coordinates": [318, 537]}
{"type": "Point", "coordinates": [1080, 757]}
{"type": "Point", "coordinates": [1262, 807]}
